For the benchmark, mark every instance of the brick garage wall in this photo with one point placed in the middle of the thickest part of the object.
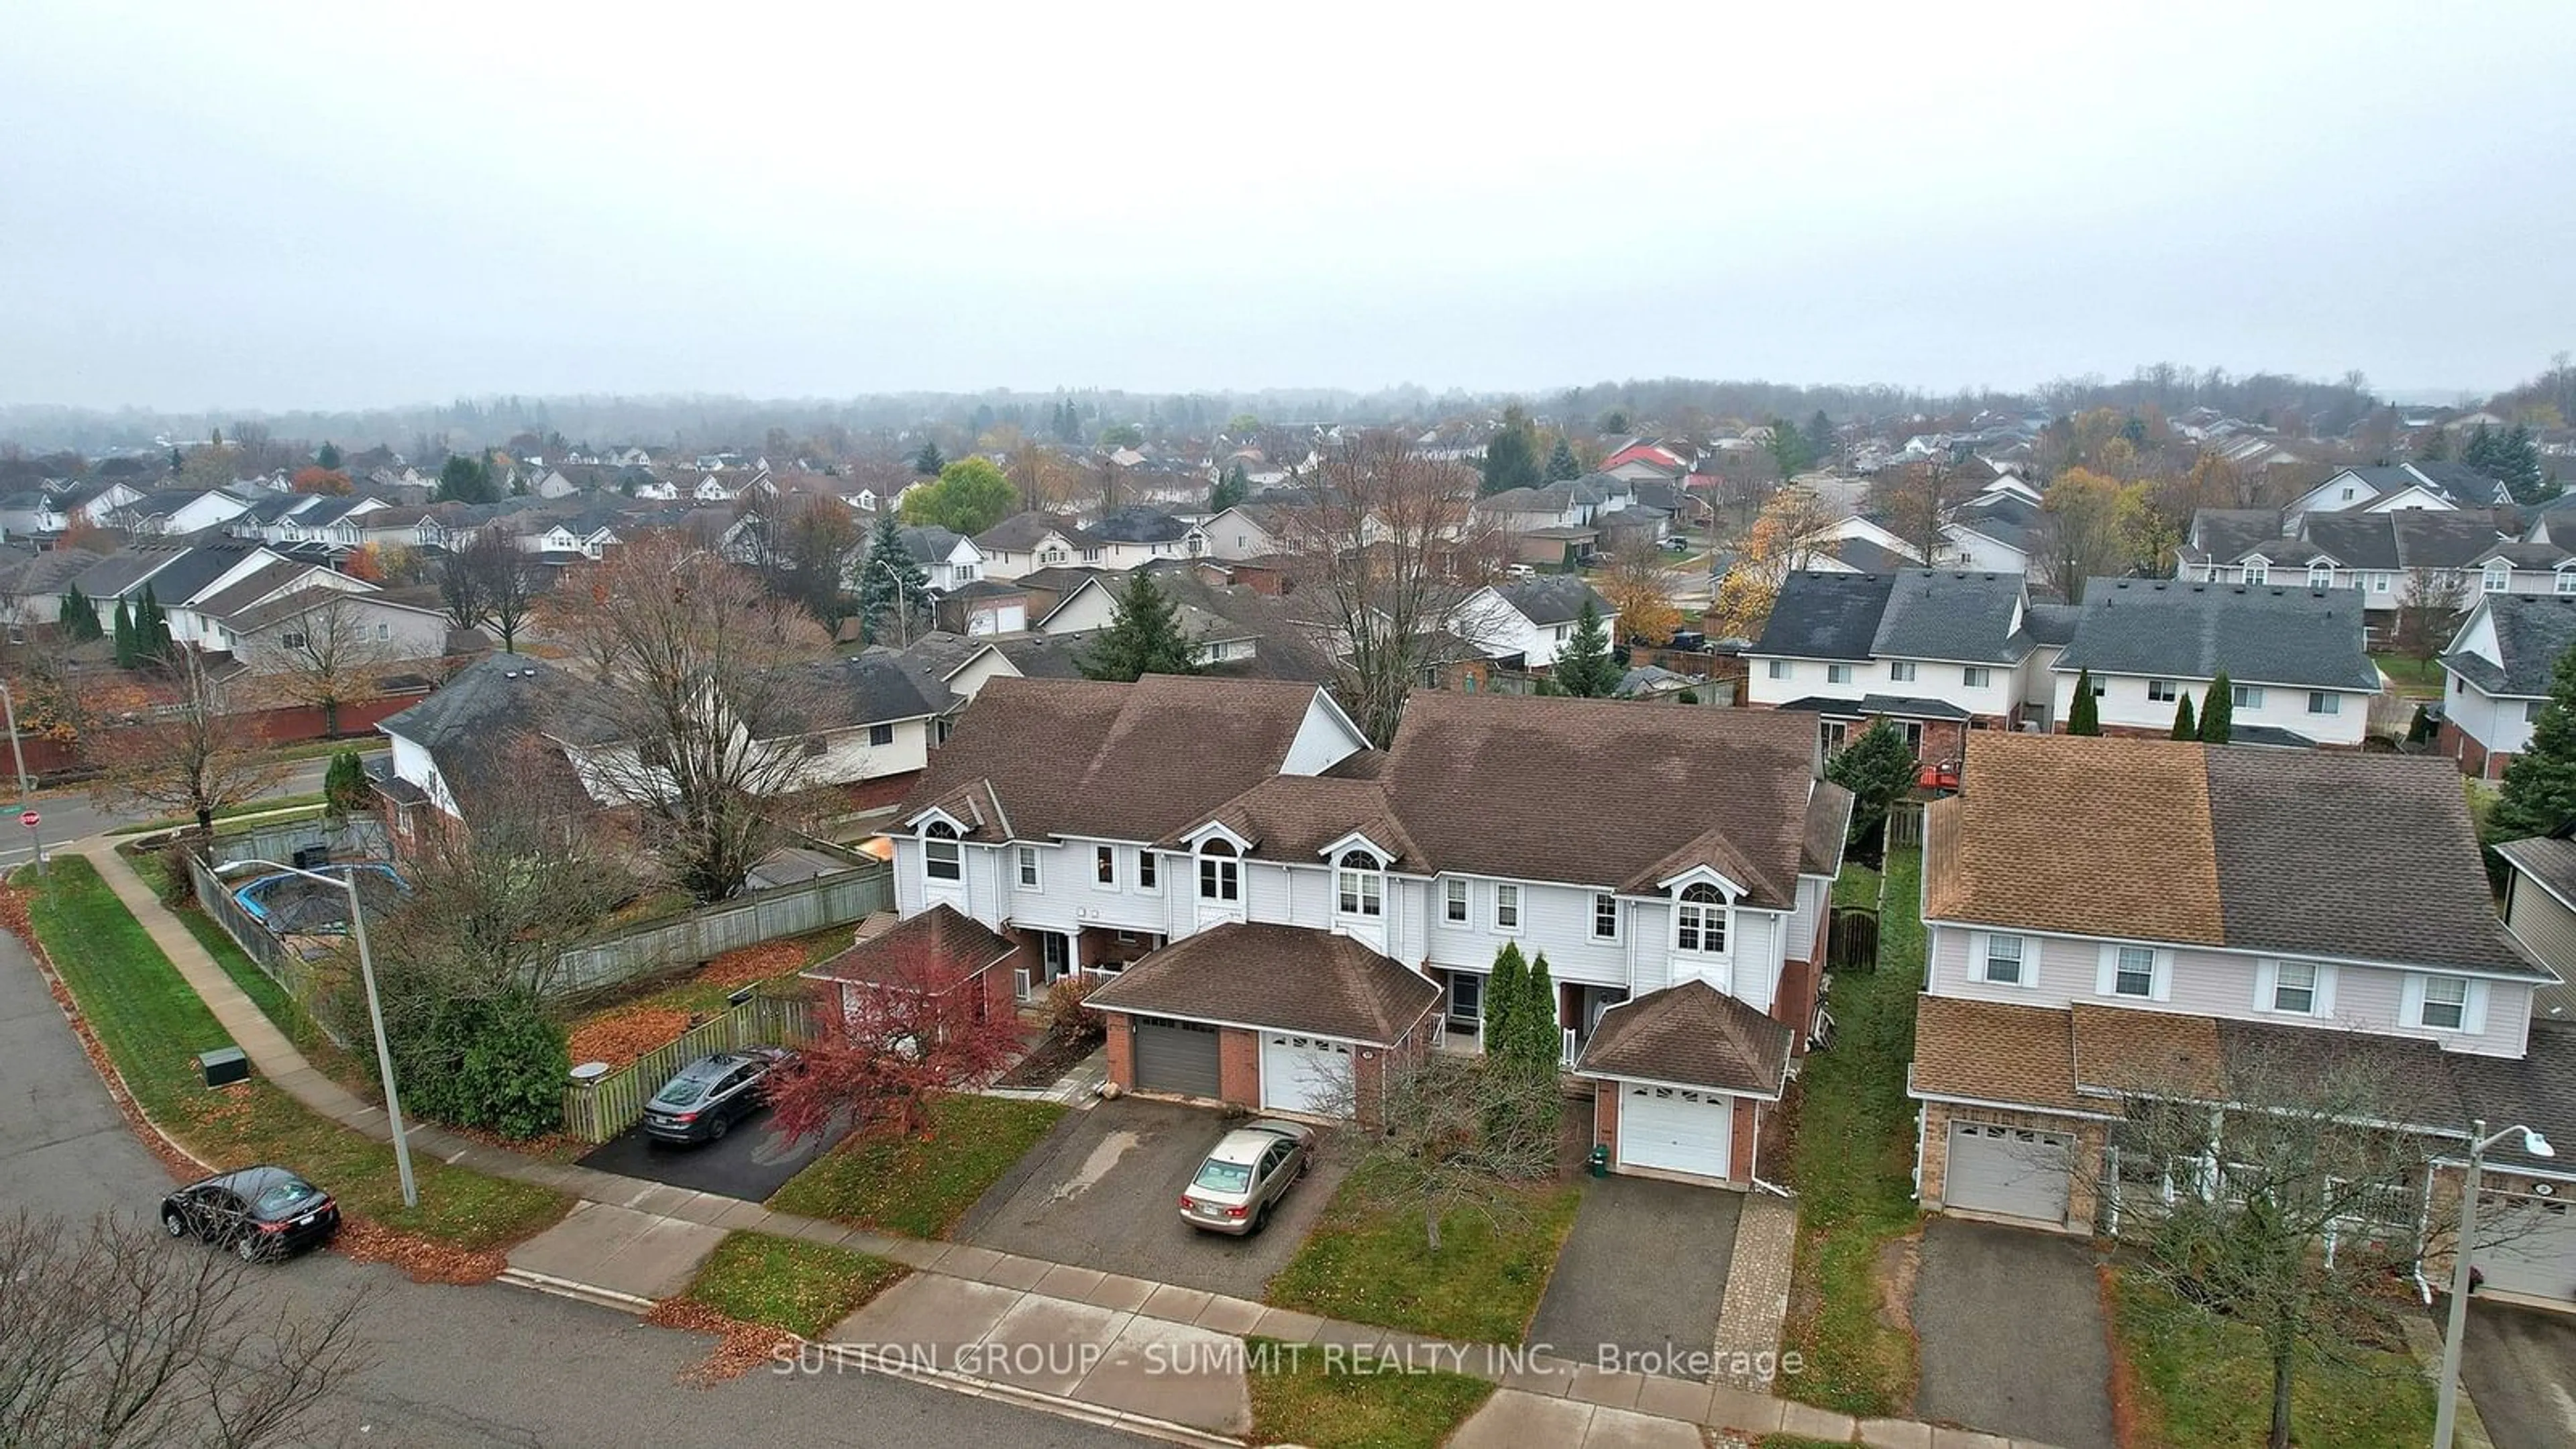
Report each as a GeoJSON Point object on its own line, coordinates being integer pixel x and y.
{"type": "Point", "coordinates": [1794, 1004]}
{"type": "Point", "coordinates": [1238, 1066]}
{"type": "Point", "coordinates": [2475, 760]}
{"type": "Point", "coordinates": [1744, 1130]}
{"type": "Point", "coordinates": [1747, 1133]}
{"type": "Point", "coordinates": [1943, 739]}
{"type": "Point", "coordinates": [1605, 1117]}
{"type": "Point", "coordinates": [1122, 1050]}
{"type": "Point", "coordinates": [2084, 1187]}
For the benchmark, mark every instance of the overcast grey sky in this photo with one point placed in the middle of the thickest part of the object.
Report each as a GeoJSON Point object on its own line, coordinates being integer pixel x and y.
{"type": "Point", "coordinates": [254, 205]}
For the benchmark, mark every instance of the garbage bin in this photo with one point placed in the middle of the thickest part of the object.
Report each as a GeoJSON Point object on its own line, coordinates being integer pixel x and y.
{"type": "Point", "coordinates": [1601, 1160]}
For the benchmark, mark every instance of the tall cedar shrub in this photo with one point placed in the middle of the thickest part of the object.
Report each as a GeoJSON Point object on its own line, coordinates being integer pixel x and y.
{"type": "Point", "coordinates": [2218, 711]}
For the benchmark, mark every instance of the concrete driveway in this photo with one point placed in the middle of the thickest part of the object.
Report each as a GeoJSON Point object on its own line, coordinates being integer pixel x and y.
{"type": "Point", "coordinates": [1645, 1270]}
{"type": "Point", "coordinates": [2012, 1336]}
{"type": "Point", "coordinates": [750, 1162]}
{"type": "Point", "coordinates": [2519, 1368]}
{"type": "Point", "coordinates": [1103, 1190]}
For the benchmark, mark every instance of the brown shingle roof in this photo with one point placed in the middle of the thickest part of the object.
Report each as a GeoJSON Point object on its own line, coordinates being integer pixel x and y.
{"type": "Point", "coordinates": [1127, 761]}
{"type": "Point", "coordinates": [2330, 853]}
{"type": "Point", "coordinates": [1989, 1051]}
{"type": "Point", "coordinates": [1828, 824]}
{"type": "Point", "coordinates": [952, 944]}
{"type": "Point", "coordinates": [2546, 859]}
{"type": "Point", "coordinates": [1284, 978]}
{"type": "Point", "coordinates": [1293, 817]}
{"type": "Point", "coordinates": [2139, 809]}
{"type": "Point", "coordinates": [1691, 1035]}
{"type": "Point", "coordinates": [2161, 1053]}
{"type": "Point", "coordinates": [1483, 783]}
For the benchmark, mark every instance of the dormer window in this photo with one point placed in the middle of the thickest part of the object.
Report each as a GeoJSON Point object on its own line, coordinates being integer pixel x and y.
{"type": "Point", "coordinates": [942, 857]}
{"type": "Point", "coordinates": [2567, 578]}
{"type": "Point", "coordinates": [2498, 577]}
{"type": "Point", "coordinates": [2321, 576]}
{"type": "Point", "coordinates": [2258, 571]}
{"type": "Point", "coordinates": [1220, 874]}
{"type": "Point", "coordinates": [1699, 920]}
{"type": "Point", "coordinates": [1363, 884]}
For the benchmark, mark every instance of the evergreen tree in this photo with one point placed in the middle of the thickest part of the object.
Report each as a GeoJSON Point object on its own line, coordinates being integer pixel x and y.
{"type": "Point", "coordinates": [78, 617]}
{"type": "Point", "coordinates": [2480, 452]}
{"type": "Point", "coordinates": [344, 785]}
{"type": "Point", "coordinates": [1231, 487]}
{"type": "Point", "coordinates": [927, 462]}
{"type": "Point", "coordinates": [1144, 636]}
{"type": "Point", "coordinates": [465, 480]}
{"type": "Point", "coordinates": [1562, 465]}
{"type": "Point", "coordinates": [1878, 770]}
{"type": "Point", "coordinates": [2084, 716]}
{"type": "Point", "coordinates": [2218, 711]}
{"type": "Point", "coordinates": [1511, 455]}
{"type": "Point", "coordinates": [1820, 435]}
{"type": "Point", "coordinates": [1540, 1042]}
{"type": "Point", "coordinates": [1505, 994]}
{"type": "Point", "coordinates": [2437, 448]}
{"type": "Point", "coordinates": [2185, 727]}
{"type": "Point", "coordinates": [327, 456]}
{"type": "Point", "coordinates": [892, 584]}
{"type": "Point", "coordinates": [151, 628]}
{"type": "Point", "coordinates": [2540, 783]}
{"type": "Point", "coordinates": [1789, 449]}
{"type": "Point", "coordinates": [175, 463]}
{"type": "Point", "coordinates": [1584, 668]}
{"type": "Point", "coordinates": [125, 651]}
{"type": "Point", "coordinates": [2515, 460]}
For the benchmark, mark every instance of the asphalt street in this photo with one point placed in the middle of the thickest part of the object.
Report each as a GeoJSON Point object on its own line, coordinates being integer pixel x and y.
{"type": "Point", "coordinates": [69, 815]}
{"type": "Point", "coordinates": [489, 1365]}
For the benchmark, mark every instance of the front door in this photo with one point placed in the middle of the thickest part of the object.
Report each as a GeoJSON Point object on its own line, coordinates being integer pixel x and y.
{"type": "Point", "coordinates": [1055, 957]}
{"type": "Point", "coordinates": [1466, 1001]}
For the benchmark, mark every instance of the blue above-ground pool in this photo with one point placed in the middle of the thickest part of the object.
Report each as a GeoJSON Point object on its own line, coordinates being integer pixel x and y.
{"type": "Point", "coordinates": [294, 905]}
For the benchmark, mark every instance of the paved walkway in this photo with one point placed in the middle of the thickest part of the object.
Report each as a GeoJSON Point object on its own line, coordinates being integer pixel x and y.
{"type": "Point", "coordinates": [1041, 1332]}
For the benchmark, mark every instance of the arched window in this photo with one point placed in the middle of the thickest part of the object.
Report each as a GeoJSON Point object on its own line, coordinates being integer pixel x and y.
{"type": "Point", "coordinates": [1363, 884]}
{"type": "Point", "coordinates": [1220, 874]}
{"type": "Point", "coordinates": [1699, 920]}
{"type": "Point", "coordinates": [942, 857]}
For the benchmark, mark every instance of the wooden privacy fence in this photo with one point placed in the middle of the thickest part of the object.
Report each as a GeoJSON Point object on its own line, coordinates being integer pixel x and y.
{"type": "Point", "coordinates": [705, 934]}
{"type": "Point", "coordinates": [1852, 939]}
{"type": "Point", "coordinates": [597, 1110]}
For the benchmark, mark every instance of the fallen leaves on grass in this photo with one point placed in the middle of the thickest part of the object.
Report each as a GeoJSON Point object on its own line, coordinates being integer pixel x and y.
{"type": "Point", "coordinates": [425, 1260]}
{"type": "Point", "coordinates": [740, 1347]}
{"type": "Point", "coordinates": [753, 963]}
{"type": "Point", "coordinates": [619, 1037]}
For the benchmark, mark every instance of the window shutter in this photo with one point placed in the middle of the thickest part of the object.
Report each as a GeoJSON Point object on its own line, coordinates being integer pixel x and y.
{"type": "Point", "coordinates": [2410, 1002]}
{"type": "Point", "coordinates": [2106, 974]}
{"type": "Point", "coordinates": [1976, 955]}
{"type": "Point", "coordinates": [2473, 1016]}
{"type": "Point", "coordinates": [2325, 991]}
{"type": "Point", "coordinates": [2163, 977]}
{"type": "Point", "coordinates": [2267, 976]}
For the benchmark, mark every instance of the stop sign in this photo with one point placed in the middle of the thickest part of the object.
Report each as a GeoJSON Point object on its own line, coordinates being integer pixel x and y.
{"type": "Point", "coordinates": [31, 819]}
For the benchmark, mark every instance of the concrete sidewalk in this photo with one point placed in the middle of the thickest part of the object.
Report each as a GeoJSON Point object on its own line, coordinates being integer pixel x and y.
{"type": "Point", "coordinates": [1117, 1338]}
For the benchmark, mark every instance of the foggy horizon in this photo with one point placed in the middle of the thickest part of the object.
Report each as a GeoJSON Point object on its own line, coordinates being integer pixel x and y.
{"type": "Point", "coordinates": [288, 208]}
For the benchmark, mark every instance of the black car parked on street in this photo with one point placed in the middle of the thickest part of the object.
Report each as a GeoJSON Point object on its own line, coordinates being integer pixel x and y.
{"type": "Point", "coordinates": [261, 1213]}
{"type": "Point", "coordinates": [709, 1095]}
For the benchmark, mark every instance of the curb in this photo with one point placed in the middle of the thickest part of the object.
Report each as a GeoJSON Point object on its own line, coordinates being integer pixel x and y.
{"type": "Point", "coordinates": [1053, 1404]}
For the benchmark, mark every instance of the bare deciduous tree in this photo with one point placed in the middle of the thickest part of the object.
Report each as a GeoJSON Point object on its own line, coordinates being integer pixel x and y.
{"type": "Point", "coordinates": [696, 661]}
{"type": "Point", "coordinates": [193, 754]}
{"type": "Point", "coordinates": [1917, 500]}
{"type": "Point", "coordinates": [325, 653]}
{"type": "Point", "coordinates": [1450, 1132]}
{"type": "Point", "coordinates": [1384, 545]}
{"type": "Point", "coordinates": [2429, 605]}
{"type": "Point", "coordinates": [506, 583]}
{"type": "Point", "coordinates": [109, 1337]}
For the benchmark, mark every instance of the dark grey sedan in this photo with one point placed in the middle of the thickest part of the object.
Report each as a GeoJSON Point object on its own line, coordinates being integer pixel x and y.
{"type": "Point", "coordinates": [709, 1095]}
{"type": "Point", "coordinates": [258, 1212]}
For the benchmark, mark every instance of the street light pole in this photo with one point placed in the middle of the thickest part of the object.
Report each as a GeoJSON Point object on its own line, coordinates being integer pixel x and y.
{"type": "Point", "coordinates": [375, 1013]}
{"type": "Point", "coordinates": [2446, 1403]}
{"type": "Point", "coordinates": [17, 751]}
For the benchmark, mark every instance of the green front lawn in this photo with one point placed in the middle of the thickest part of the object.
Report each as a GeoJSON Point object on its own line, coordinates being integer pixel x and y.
{"type": "Point", "coordinates": [151, 1025]}
{"type": "Point", "coordinates": [1368, 1262]}
{"type": "Point", "coordinates": [2411, 675]}
{"type": "Point", "coordinates": [789, 1283]}
{"type": "Point", "coordinates": [2207, 1385]}
{"type": "Point", "coordinates": [1857, 886]}
{"type": "Point", "coordinates": [1852, 1167]}
{"type": "Point", "coordinates": [919, 1187]}
{"type": "Point", "coordinates": [1296, 1401]}
{"type": "Point", "coordinates": [273, 1000]}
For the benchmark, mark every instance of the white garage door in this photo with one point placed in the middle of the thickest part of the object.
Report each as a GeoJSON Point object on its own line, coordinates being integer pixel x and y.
{"type": "Point", "coordinates": [1305, 1074]}
{"type": "Point", "coordinates": [2010, 1171]}
{"type": "Point", "coordinates": [2530, 1245]}
{"type": "Point", "coordinates": [1675, 1130]}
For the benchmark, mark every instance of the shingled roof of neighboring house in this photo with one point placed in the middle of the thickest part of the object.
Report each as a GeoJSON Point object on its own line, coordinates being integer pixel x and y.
{"type": "Point", "coordinates": [1293, 817]}
{"type": "Point", "coordinates": [1690, 1035]}
{"type": "Point", "coordinates": [1139, 524]}
{"type": "Point", "coordinates": [2532, 633]}
{"type": "Point", "coordinates": [1127, 761]}
{"type": "Point", "coordinates": [2224, 535]}
{"type": "Point", "coordinates": [259, 584]}
{"type": "Point", "coordinates": [1821, 615]}
{"type": "Point", "coordinates": [1993, 1051]}
{"type": "Point", "coordinates": [1910, 613]}
{"type": "Point", "coordinates": [1022, 532]}
{"type": "Point", "coordinates": [2284, 635]}
{"type": "Point", "coordinates": [876, 686]}
{"type": "Point", "coordinates": [931, 950]}
{"type": "Point", "coordinates": [1553, 598]}
{"type": "Point", "coordinates": [2333, 854]}
{"type": "Point", "coordinates": [487, 729]}
{"type": "Point", "coordinates": [1280, 978]}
